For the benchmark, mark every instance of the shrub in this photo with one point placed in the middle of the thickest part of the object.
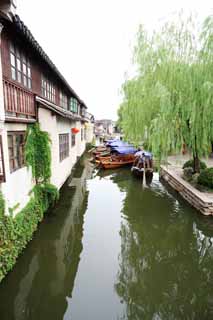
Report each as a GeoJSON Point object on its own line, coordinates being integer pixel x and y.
{"type": "Point", "coordinates": [16, 232]}
{"type": "Point", "coordinates": [190, 163]}
{"type": "Point", "coordinates": [206, 178]}
{"type": "Point", "coordinates": [188, 173]}
{"type": "Point", "coordinates": [194, 179]}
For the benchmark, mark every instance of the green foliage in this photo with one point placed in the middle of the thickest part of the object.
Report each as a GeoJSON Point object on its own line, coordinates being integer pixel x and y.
{"type": "Point", "coordinates": [15, 207]}
{"type": "Point", "coordinates": [188, 173]}
{"type": "Point", "coordinates": [47, 195]}
{"type": "Point", "coordinates": [2, 205]}
{"type": "Point", "coordinates": [190, 163]}
{"type": "Point", "coordinates": [170, 101]}
{"type": "Point", "coordinates": [38, 153]}
{"type": "Point", "coordinates": [206, 178]}
{"type": "Point", "coordinates": [16, 232]}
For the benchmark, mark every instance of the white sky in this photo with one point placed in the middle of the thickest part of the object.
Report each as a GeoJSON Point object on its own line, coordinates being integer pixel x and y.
{"type": "Point", "coordinates": [90, 41]}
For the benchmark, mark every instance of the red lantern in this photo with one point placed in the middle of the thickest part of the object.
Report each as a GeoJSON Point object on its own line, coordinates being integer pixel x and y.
{"type": "Point", "coordinates": [75, 130]}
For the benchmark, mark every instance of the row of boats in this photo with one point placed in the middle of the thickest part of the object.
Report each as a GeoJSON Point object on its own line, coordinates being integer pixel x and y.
{"type": "Point", "coordinates": [117, 153]}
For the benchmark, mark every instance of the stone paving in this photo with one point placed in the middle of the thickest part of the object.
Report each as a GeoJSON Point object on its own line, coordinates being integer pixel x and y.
{"type": "Point", "coordinates": [178, 160]}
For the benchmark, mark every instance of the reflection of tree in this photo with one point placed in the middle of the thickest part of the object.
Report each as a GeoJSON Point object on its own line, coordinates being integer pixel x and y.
{"type": "Point", "coordinates": [44, 277]}
{"type": "Point", "coordinates": [166, 259]}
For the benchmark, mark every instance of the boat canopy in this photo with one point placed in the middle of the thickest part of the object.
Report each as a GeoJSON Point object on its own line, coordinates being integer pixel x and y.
{"type": "Point", "coordinates": [147, 154]}
{"type": "Point", "coordinates": [143, 153]}
{"type": "Point", "coordinates": [125, 149]}
{"type": "Point", "coordinates": [115, 143]}
{"type": "Point", "coordinates": [119, 143]}
{"type": "Point", "coordinates": [111, 140]}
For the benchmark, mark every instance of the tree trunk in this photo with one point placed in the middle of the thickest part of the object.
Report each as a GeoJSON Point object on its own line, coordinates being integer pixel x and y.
{"type": "Point", "coordinates": [196, 158]}
{"type": "Point", "coordinates": [196, 163]}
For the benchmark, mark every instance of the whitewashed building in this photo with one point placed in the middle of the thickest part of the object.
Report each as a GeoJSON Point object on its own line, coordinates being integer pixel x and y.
{"type": "Point", "coordinates": [33, 90]}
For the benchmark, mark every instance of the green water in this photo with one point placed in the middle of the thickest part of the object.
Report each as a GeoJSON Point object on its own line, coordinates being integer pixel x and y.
{"type": "Point", "coordinates": [112, 250]}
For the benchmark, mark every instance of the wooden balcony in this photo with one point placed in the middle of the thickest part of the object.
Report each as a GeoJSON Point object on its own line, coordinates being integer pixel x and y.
{"type": "Point", "coordinates": [19, 103]}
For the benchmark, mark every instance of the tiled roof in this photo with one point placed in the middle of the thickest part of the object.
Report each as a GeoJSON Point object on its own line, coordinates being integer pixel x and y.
{"type": "Point", "coordinates": [58, 110]}
{"type": "Point", "coordinates": [21, 27]}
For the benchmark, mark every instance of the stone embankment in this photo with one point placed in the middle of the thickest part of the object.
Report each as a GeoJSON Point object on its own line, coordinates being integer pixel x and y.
{"type": "Point", "coordinates": [202, 201]}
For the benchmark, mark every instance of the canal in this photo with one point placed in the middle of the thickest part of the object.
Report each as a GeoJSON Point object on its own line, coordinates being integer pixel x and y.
{"type": "Point", "coordinates": [113, 250]}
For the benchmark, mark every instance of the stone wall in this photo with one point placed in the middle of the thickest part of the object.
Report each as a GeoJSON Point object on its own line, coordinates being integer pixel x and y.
{"type": "Point", "coordinates": [202, 201]}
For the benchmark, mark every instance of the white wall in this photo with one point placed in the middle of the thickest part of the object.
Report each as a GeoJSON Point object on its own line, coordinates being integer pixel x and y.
{"type": "Point", "coordinates": [81, 144]}
{"type": "Point", "coordinates": [18, 183]}
{"type": "Point", "coordinates": [90, 132]}
{"type": "Point", "coordinates": [56, 125]}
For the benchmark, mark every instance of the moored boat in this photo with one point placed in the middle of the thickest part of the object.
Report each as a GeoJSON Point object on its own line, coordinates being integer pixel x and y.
{"type": "Point", "coordinates": [117, 154]}
{"type": "Point", "coordinates": [117, 161]}
{"type": "Point", "coordinates": [143, 161]}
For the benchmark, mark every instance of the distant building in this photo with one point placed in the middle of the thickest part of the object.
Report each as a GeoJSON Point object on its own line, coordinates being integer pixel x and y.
{"type": "Point", "coordinates": [104, 127]}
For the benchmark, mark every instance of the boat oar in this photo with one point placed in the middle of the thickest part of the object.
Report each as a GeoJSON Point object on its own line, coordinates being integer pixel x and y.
{"type": "Point", "coordinates": [144, 174]}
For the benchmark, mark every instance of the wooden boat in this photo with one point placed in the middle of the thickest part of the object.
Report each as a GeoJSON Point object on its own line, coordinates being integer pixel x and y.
{"type": "Point", "coordinates": [102, 155]}
{"type": "Point", "coordinates": [117, 161]}
{"type": "Point", "coordinates": [139, 171]}
{"type": "Point", "coordinates": [100, 150]}
{"type": "Point", "coordinates": [99, 160]}
{"type": "Point", "coordinates": [143, 163]}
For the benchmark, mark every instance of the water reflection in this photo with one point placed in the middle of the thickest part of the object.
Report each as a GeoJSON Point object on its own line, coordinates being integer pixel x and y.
{"type": "Point", "coordinates": [114, 250]}
{"type": "Point", "coordinates": [44, 276]}
{"type": "Point", "coordinates": [166, 258]}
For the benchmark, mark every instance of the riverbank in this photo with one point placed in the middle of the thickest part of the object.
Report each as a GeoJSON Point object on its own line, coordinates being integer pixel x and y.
{"type": "Point", "coordinates": [202, 201]}
{"type": "Point", "coordinates": [172, 174]}
{"type": "Point", "coordinates": [179, 160]}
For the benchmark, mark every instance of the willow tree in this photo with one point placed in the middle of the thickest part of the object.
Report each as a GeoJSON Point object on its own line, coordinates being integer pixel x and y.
{"type": "Point", "coordinates": [171, 99]}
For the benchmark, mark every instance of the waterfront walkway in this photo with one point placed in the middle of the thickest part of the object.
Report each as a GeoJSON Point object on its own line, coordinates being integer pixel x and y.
{"type": "Point", "coordinates": [179, 160]}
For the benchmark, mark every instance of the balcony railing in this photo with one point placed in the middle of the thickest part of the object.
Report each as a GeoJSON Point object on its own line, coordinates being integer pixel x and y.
{"type": "Point", "coordinates": [19, 103]}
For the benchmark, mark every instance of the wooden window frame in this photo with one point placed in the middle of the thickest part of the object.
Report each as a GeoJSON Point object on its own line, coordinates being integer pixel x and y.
{"type": "Point", "coordinates": [20, 67]}
{"type": "Point", "coordinates": [73, 105]}
{"type": "Point", "coordinates": [2, 167]}
{"type": "Point", "coordinates": [83, 111]}
{"type": "Point", "coordinates": [16, 151]}
{"type": "Point", "coordinates": [63, 101]}
{"type": "Point", "coordinates": [48, 90]}
{"type": "Point", "coordinates": [63, 146]}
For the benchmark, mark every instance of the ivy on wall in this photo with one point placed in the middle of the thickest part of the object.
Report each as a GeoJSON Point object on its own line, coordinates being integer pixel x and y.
{"type": "Point", "coordinates": [38, 153]}
{"type": "Point", "coordinates": [16, 232]}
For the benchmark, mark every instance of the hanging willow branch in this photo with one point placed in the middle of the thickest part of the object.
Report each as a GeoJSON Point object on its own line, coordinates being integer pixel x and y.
{"type": "Point", "coordinates": [170, 102]}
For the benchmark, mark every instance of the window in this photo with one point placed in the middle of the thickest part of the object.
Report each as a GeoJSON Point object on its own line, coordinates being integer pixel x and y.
{"type": "Point", "coordinates": [2, 170]}
{"type": "Point", "coordinates": [63, 100]}
{"type": "Point", "coordinates": [83, 111]}
{"type": "Point", "coordinates": [47, 89]}
{"type": "Point", "coordinates": [73, 105]}
{"type": "Point", "coordinates": [20, 67]}
{"type": "Point", "coordinates": [16, 142]}
{"type": "Point", "coordinates": [63, 146]}
{"type": "Point", "coordinates": [82, 134]}
{"type": "Point", "coordinates": [73, 139]}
